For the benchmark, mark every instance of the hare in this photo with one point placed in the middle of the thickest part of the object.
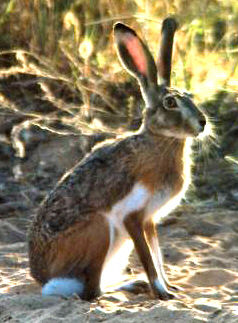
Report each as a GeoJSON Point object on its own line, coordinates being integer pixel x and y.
{"type": "Point", "coordinates": [119, 190]}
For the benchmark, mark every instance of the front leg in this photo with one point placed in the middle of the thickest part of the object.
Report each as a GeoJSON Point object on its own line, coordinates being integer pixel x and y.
{"type": "Point", "coordinates": [134, 225]}
{"type": "Point", "coordinates": [153, 241]}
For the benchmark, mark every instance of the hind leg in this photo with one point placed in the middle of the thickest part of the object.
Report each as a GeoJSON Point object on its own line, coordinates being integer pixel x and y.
{"type": "Point", "coordinates": [92, 282]}
{"type": "Point", "coordinates": [79, 253]}
{"type": "Point", "coordinates": [116, 259]}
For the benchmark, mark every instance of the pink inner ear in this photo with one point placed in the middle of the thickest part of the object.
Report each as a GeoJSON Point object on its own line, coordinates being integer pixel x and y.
{"type": "Point", "coordinates": [136, 51]}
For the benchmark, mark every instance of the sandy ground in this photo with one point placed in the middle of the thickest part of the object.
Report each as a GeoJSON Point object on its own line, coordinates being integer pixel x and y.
{"type": "Point", "coordinates": [200, 246]}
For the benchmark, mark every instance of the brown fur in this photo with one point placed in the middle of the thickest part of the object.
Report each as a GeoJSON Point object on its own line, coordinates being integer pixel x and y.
{"type": "Point", "coordinates": [74, 253]}
{"type": "Point", "coordinates": [72, 231]}
{"type": "Point", "coordinates": [72, 212]}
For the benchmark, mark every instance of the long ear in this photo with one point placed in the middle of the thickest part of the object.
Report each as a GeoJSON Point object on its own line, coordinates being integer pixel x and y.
{"type": "Point", "coordinates": [135, 55]}
{"type": "Point", "coordinates": [169, 27]}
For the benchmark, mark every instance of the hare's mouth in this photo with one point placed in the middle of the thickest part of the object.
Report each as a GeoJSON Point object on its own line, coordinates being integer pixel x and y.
{"type": "Point", "coordinates": [197, 128]}
{"type": "Point", "coordinates": [183, 134]}
{"type": "Point", "coordinates": [206, 132]}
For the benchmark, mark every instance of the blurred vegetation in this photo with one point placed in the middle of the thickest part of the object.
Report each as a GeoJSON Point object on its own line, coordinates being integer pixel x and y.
{"type": "Point", "coordinates": [59, 70]}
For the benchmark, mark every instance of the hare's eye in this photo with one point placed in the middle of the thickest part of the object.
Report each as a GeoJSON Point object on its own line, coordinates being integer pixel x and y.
{"type": "Point", "coordinates": [170, 102]}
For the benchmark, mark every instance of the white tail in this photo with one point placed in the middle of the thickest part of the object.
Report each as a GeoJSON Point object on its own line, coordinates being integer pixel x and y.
{"type": "Point", "coordinates": [66, 287]}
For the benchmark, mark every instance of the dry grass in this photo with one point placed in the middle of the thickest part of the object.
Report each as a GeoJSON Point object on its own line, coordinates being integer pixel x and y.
{"type": "Point", "coordinates": [67, 50]}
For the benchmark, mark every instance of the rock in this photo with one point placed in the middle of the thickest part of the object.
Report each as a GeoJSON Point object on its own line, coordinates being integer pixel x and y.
{"type": "Point", "coordinates": [212, 277]}
{"type": "Point", "coordinates": [235, 226]}
{"type": "Point", "coordinates": [205, 308]}
{"type": "Point", "coordinates": [173, 255]}
{"type": "Point", "coordinates": [10, 233]}
{"type": "Point", "coordinates": [202, 228]}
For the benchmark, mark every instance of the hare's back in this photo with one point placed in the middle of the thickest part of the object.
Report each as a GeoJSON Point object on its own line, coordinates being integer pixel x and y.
{"type": "Point", "coordinates": [93, 186]}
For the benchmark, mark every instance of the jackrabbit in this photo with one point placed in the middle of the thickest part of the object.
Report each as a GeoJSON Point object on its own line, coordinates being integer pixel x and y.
{"type": "Point", "coordinates": [116, 192]}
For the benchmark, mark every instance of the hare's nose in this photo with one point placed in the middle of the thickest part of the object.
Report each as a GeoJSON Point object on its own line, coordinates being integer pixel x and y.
{"type": "Point", "coordinates": [202, 123]}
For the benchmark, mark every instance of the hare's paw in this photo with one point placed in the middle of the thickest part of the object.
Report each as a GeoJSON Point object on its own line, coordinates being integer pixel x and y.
{"type": "Point", "coordinates": [136, 287]}
{"type": "Point", "coordinates": [173, 289]}
{"type": "Point", "coordinates": [161, 291]}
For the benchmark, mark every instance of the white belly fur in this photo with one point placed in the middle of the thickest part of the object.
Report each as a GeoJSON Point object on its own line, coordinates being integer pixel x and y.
{"type": "Point", "coordinates": [136, 200]}
{"type": "Point", "coordinates": [140, 198]}
{"type": "Point", "coordinates": [155, 206]}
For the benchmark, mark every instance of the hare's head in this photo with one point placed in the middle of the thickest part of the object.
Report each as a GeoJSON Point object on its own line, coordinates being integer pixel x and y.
{"type": "Point", "coordinates": [168, 112]}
